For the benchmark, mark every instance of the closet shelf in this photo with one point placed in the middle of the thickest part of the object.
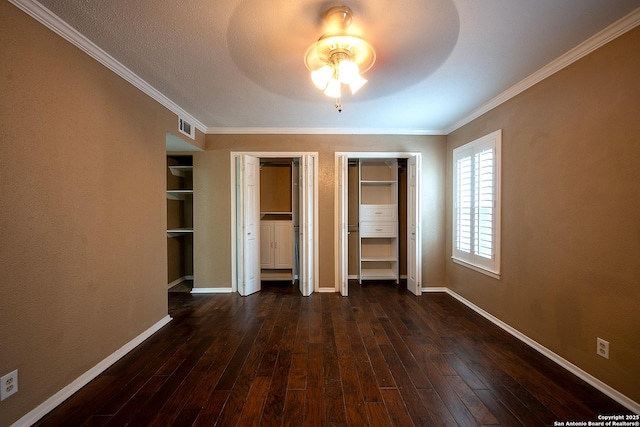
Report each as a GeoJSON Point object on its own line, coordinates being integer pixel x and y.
{"type": "Point", "coordinates": [379, 258]}
{"type": "Point", "coordinates": [178, 194]}
{"type": "Point", "coordinates": [179, 170]}
{"type": "Point", "coordinates": [378, 274]}
{"type": "Point", "coordinates": [276, 275]}
{"type": "Point", "coordinates": [177, 232]}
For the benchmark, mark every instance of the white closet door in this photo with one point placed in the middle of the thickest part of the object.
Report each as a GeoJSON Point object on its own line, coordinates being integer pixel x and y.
{"type": "Point", "coordinates": [414, 239]}
{"type": "Point", "coordinates": [307, 225]}
{"type": "Point", "coordinates": [343, 232]}
{"type": "Point", "coordinates": [250, 197]}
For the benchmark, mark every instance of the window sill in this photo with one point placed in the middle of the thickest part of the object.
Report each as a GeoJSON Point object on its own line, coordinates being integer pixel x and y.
{"type": "Point", "coordinates": [477, 268]}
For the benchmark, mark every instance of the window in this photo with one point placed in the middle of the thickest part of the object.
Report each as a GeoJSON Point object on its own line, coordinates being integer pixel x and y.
{"type": "Point", "coordinates": [476, 204]}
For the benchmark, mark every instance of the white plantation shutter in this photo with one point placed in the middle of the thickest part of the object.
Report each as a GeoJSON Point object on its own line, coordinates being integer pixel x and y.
{"type": "Point", "coordinates": [476, 210]}
{"type": "Point", "coordinates": [483, 204]}
{"type": "Point", "coordinates": [463, 205]}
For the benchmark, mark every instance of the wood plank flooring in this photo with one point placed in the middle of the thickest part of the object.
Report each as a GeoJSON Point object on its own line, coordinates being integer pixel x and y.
{"type": "Point", "coordinates": [381, 357]}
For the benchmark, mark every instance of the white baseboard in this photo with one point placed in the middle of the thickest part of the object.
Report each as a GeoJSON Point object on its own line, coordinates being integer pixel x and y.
{"type": "Point", "coordinates": [211, 290]}
{"type": "Point", "coordinates": [355, 276]}
{"type": "Point", "coordinates": [585, 376]}
{"type": "Point", "coordinates": [51, 403]}
{"type": "Point", "coordinates": [434, 289]}
{"type": "Point", "coordinates": [178, 281]}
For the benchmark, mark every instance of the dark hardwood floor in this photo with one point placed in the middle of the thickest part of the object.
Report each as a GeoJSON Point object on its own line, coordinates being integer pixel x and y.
{"type": "Point", "coordinates": [381, 357]}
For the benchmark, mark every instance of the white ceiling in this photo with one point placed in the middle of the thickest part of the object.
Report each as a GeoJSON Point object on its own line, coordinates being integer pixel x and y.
{"type": "Point", "coordinates": [237, 65]}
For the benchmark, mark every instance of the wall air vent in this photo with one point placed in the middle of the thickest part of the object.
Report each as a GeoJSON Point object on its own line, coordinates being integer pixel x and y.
{"type": "Point", "coordinates": [186, 128]}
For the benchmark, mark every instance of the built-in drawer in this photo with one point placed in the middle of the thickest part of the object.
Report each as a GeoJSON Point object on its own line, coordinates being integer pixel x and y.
{"type": "Point", "coordinates": [378, 230]}
{"type": "Point", "coordinates": [378, 212]}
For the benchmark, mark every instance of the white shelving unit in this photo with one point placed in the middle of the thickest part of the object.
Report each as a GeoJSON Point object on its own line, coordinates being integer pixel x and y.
{"type": "Point", "coordinates": [180, 218]}
{"type": "Point", "coordinates": [378, 243]}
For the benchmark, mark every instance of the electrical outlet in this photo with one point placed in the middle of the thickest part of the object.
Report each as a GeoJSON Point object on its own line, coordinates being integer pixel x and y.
{"type": "Point", "coordinates": [9, 384]}
{"type": "Point", "coordinates": [603, 348]}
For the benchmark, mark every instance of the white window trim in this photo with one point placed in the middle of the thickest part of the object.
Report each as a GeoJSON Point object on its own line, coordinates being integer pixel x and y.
{"type": "Point", "coordinates": [494, 141]}
{"type": "Point", "coordinates": [477, 268]}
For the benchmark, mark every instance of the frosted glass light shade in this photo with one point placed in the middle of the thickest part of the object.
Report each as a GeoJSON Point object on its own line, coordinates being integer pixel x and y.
{"type": "Point", "coordinates": [333, 89]}
{"type": "Point", "coordinates": [356, 83]}
{"type": "Point", "coordinates": [321, 77]}
{"type": "Point", "coordinates": [348, 71]}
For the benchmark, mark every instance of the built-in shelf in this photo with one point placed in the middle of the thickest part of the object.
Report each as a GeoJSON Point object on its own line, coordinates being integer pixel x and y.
{"type": "Point", "coordinates": [179, 170]}
{"type": "Point", "coordinates": [276, 216]}
{"type": "Point", "coordinates": [178, 194]}
{"type": "Point", "coordinates": [378, 274]}
{"type": "Point", "coordinates": [180, 234]}
{"type": "Point", "coordinates": [378, 258]}
{"type": "Point", "coordinates": [276, 275]}
{"type": "Point", "coordinates": [176, 232]}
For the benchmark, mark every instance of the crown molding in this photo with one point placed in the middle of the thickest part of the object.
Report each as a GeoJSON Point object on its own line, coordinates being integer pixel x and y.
{"type": "Point", "coordinates": [611, 32]}
{"type": "Point", "coordinates": [64, 30]}
{"type": "Point", "coordinates": [319, 131]}
{"type": "Point", "coordinates": [57, 25]}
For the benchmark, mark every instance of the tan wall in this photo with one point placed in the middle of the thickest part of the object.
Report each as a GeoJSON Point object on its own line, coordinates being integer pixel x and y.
{"type": "Point", "coordinates": [212, 197]}
{"type": "Point", "coordinates": [83, 211]}
{"type": "Point", "coordinates": [570, 213]}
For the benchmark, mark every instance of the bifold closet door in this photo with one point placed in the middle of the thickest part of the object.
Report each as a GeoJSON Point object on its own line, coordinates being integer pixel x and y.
{"type": "Point", "coordinates": [250, 212]}
{"type": "Point", "coordinates": [308, 226]}
{"type": "Point", "coordinates": [414, 240]}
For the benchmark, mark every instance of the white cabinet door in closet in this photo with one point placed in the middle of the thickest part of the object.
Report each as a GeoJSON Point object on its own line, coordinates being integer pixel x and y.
{"type": "Point", "coordinates": [267, 255]}
{"type": "Point", "coordinates": [276, 244]}
{"type": "Point", "coordinates": [283, 239]}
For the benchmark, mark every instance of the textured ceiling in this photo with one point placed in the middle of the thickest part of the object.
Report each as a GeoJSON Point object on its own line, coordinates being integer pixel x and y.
{"type": "Point", "coordinates": [238, 64]}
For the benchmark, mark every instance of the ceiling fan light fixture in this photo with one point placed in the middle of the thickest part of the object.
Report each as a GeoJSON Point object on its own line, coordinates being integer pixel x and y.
{"type": "Point", "coordinates": [339, 57]}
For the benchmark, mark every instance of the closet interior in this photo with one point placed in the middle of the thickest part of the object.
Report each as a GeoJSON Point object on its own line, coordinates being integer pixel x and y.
{"type": "Point", "coordinates": [279, 219]}
{"type": "Point", "coordinates": [377, 219]}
